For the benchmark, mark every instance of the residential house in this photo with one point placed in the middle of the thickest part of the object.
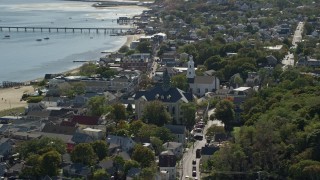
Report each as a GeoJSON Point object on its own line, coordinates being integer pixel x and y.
{"type": "Point", "coordinates": [38, 115]}
{"type": "Point", "coordinates": [78, 138]}
{"type": "Point", "coordinates": [179, 132]}
{"type": "Point", "coordinates": [77, 170]}
{"type": "Point", "coordinates": [271, 61]}
{"type": "Point", "coordinates": [35, 107]}
{"type": "Point", "coordinates": [169, 59]}
{"type": "Point", "coordinates": [51, 101]}
{"type": "Point", "coordinates": [3, 169]}
{"type": "Point", "coordinates": [200, 85]}
{"type": "Point", "coordinates": [6, 147]}
{"type": "Point", "coordinates": [167, 162]}
{"type": "Point", "coordinates": [125, 143]}
{"type": "Point", "coordinates": [95, 134]}
{"type": "Point", "coordinates": [86, 120]}
{"type": "Point", "coordinates": [59, 129]}
{"type": "Point", "coordinates": [171, 97]}
{"type": "Point", "coordinates": [207, 152]}
{"type": "Point", "coordinates": [307, 61]}
{"type": "Point", "coordinates": [133, 173]}
{"type": "Point", "coordinates": [158, 76]}
{"type": "Point", "coordinates": [107, 164]}
{"type": "Point", "coordinates": [253, 79]}
{"type": "Point", "coordinates": [175, 147]}
{"type": "Point", "coordinates": [25, 135]}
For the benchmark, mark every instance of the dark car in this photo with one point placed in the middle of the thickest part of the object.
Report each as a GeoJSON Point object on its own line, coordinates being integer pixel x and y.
{"type": "Point", "coordinates": [194, 173]}
{"type": "Point", "coordinates": [194, 162]}
{"type": "Point", "coordinates": [194, 168]}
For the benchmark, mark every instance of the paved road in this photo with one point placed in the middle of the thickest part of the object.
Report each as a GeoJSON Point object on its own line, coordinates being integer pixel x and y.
{"type": "Point", "coordinates": [297, 37]}
{"type": "Point", "coordinates": [190, 154]}
{"type": "Point", "coordinates": [288, 60]}
{"type": "Point", "coordinates": [153, 69]}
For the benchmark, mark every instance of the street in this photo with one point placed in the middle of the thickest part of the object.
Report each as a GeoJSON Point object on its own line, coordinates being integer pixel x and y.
{"type": "Point", "coordinates": [190, 154]}
{"type": "Point", "coordinates": [288, 60]}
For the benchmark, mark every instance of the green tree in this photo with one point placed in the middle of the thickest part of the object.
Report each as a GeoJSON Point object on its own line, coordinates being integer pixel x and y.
{"type": "Point", "coordinates": [157, 145]}
{"type": "Point", "coordinates": [97, 106]}
{"type": "Point", "coordinates": [119, 112]}
{"type": "Point", "coordinates": [78, 88]}
{"type": "Point", "coordinates": [100, 147]}
{"type": "Point", "coordinates": [129, 108]}
{"type": "Point", "coordinates": [144, 47]}
{"type": "Point", "coordinates": [225, 112]}
{"type": "Point", "coordinates": [213, 62]}
{"type": "Point", "coordinates": [163, 133]}
{"type": "Point", "coordinates": [214, 129]}
{"type": "Point", "coordinates": [33, 166]}
{"type": "Point", "coordinates": [299, 171]}
{"type": "Point", "coordinates": [124, 49]}
{"type": "Point", "coordinates": [180, 81]}
{"type": "Point", "coordinates": [88, 69]}
{"type": "Point", "coordinates": [83, 153]}
{"type": "Point", "coordinates": [50, 163]}
{"type": "Point", "coordinates": [143, 155]}
{"type": "Point", "coordinates": [135, 127]}
{"type": "Point", "coordinates": [130, 164]}
{"type": "Point", "coordinates": [100, 174]}
{"type": "Point", "coordinates": [155, 113]}
{"type": "Point", "coordinates": [41, 146]}
{"type": "Point", "coordinates": [189, 114]}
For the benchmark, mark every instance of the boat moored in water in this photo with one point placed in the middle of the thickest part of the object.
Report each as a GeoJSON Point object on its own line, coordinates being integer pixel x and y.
{"type": "Point", "coordinates": [46, 38]}
{"type": "Point", "coordinates": [38, 39]}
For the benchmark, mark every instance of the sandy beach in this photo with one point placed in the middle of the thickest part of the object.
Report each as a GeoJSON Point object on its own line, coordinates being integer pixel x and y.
{"type": "Point", "coordinates": [10, 97]}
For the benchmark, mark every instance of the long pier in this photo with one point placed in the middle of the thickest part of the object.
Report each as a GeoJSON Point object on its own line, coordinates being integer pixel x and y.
{"type": "Point", "coordinates": [65, 29]}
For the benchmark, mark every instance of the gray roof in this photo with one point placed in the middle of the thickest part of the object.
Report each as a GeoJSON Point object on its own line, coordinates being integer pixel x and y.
{"type": "Point", "coordinates": [171, 145]}
{"type": "Point", "coordinates": [81, 138]}
{"type": "Point", "coordinates": [172, 95]}
{"type": "Point", "coordinates": [209, 150]}
{"type": "Point", "coordinates": [204, 79]}
{"type": "Point", "coordinates": [168, 152]}
{"type": "Point", "coordinates": [52, 128]}
{"type": "Point", "coordinates": [133, 172]}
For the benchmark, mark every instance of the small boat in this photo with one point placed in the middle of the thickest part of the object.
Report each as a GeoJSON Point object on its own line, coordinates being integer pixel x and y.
{"type": "Point", "coordinates": [46, 38]}
{"type": "Point", "coordinates": [38, 39]}
{"type": "Point", "coordinates": [6, 37]}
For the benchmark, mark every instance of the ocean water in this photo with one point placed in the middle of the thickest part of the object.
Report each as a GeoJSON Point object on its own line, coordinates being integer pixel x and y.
{"type": "Point", "coordinates": [22, 58]}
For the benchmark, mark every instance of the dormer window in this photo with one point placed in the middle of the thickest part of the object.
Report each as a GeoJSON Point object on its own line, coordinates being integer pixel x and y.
{"type": "Point", "coordinates": [157, 96]}
{"type": "Point", "coordinates": [168, 97]}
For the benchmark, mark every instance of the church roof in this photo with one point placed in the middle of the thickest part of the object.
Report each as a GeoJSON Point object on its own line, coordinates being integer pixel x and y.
{"type": "Point", "coordinates": [171, 95]}
{"type": "Point", "coordinates": [204, 79]}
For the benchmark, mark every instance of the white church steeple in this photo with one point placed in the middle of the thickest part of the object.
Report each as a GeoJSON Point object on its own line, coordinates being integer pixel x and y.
{"type": "Point", "coordinates": [190, 71]}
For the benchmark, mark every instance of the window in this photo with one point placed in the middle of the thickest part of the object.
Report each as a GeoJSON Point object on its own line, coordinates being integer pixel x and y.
{"type": "Point", "coordinates": [189, 72]}
{"type": "Point", "coordinates": [206, 90]}
{"type": "Point", "coordinates": [173, 110]}
{"type": "Point", "coordinates": [198, 90]}
{"type": "Point", "coordinates": [190, 66]}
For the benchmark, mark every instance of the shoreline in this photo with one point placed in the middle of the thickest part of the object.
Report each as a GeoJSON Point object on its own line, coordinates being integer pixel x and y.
{"type": "Point", "coordinates": [10, 96]}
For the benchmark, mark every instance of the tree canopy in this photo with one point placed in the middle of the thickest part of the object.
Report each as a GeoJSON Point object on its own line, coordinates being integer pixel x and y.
{"type": "Point", "coordinates": [155, 113]}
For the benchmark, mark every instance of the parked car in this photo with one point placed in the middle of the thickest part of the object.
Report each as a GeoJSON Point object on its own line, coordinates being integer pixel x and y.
{"type": "Point", "coordinates": [194, 173]}
{"type": "Point", "coordinates": [194, 168]}
{"type": "Point", "coordinates": [194, 162]}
